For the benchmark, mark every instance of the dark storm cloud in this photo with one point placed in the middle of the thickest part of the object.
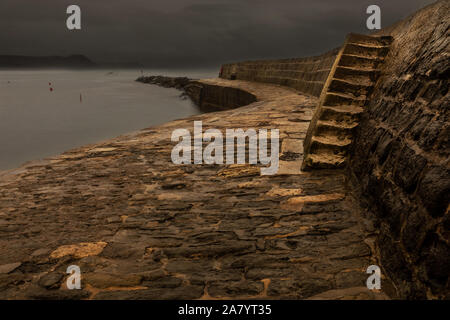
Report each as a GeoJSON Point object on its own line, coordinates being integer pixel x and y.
{"type": "Point", "coordinates": [189, 32]}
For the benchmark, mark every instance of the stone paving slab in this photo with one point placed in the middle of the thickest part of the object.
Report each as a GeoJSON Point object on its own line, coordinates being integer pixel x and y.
{"type": "Point", "coordinates": [141, 227]}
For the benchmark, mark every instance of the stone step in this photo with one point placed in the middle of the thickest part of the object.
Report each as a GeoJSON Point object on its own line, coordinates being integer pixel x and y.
{"type": "Point", "coordinates": [369, 40]}
{"type": "Point", "coordinates": [355, 88]}
{"type": "Point", "coordinates": [324, 160]}
{"type": "Point", "coordinates": [330, 143]}
{"type": "Point", "coordinates": [333, 127]}
{"type": "Point", "coordinates": [355, 74]}
{"type": "Point", "coordinates": [342, 99]}
{"type": "Point", "coordinates": [365, 50]}
{"type": "Point", "coordinates": [332, 140]}
{"type": "Point", "coordinates": [340, 113]}
{"type": "Point", "coordinates": [365, 63]}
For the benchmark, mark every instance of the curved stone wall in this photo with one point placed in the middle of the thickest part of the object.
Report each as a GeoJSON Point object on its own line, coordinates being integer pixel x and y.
{"type": "Point", "coordinates": [399, 145]}
{"type": "Point", "coordinates": [307, 75]}
{"type": "Point", "coordinates": [401, 155]}
{"type": "Point", "coordinates": [210, 97]}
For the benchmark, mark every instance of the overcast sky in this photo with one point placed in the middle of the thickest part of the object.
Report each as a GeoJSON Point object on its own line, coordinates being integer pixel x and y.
{"type": "Point", "coordinates": [188, 33]}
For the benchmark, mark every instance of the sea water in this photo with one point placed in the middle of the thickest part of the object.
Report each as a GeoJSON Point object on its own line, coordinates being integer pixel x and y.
{"type": "Point", "coordinates": [46, 112]}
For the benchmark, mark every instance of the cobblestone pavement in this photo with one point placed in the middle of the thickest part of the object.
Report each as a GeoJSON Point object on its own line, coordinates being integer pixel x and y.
{"type": "Point", "coordinates": [141, 227]}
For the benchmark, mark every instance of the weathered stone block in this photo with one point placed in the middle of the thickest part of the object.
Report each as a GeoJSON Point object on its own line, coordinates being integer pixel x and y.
{"type": "Point", "coordinates": [414, 231]}
{"type": "Point", "coordinates": [437, 262]}
{"type": "Point", "coordinates": [434, 190]}
{"type": "Point", "coordinates": [235, 289]}
{"type": "Point", "coordinates": [409, 167]}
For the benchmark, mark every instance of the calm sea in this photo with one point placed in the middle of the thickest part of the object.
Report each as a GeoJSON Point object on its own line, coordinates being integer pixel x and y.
{"type": "Point", "coordinates": [37, 122]}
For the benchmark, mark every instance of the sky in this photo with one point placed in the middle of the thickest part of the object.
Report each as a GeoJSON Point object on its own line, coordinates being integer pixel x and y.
{"type": "Point", "coordinates": [189, 33]}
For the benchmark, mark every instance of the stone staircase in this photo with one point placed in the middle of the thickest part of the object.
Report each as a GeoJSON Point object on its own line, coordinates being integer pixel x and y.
{"type": "Point", "coordinates": [349, 84]}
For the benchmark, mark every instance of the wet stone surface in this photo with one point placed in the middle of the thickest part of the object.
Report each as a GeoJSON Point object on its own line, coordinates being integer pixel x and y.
{"type": "Point", "coordinates": [141, 227]}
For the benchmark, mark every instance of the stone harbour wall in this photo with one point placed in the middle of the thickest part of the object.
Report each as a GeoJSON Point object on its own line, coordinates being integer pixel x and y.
{"type": "Point", "coordinates": [401, 155]}
{"type": "Point", "coordinates": [141, 227]}
{"type": "Point", "coordinates": [210, 97]}
{"type": "Point", "coordinates": [307, 75]}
